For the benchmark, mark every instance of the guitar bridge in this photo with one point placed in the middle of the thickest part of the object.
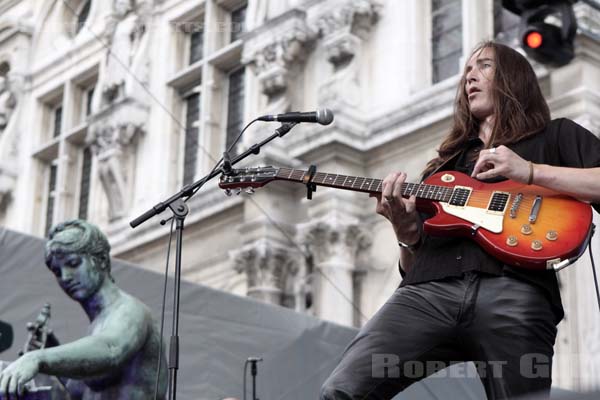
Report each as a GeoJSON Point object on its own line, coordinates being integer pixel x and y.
{"type": "Point", "coordinates": [535, 209]}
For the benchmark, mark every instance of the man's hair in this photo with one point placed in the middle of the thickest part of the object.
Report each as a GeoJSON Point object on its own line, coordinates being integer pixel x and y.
{"type": "Point", "coordinates": [90, 241]}
{"type": "Point", "coordinates": [519, 107]}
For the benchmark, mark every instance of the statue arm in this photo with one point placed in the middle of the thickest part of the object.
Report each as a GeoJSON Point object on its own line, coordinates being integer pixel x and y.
{"type": "Point", "coordinates": [121, 336]}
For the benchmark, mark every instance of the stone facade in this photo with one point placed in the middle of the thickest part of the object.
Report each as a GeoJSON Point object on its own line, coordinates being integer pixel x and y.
{"type": "Point", "coordinates": [103, 104]}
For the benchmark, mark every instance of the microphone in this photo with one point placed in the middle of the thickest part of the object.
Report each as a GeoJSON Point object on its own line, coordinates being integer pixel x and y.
{"type": "Point", "coordinates": [323, 117]}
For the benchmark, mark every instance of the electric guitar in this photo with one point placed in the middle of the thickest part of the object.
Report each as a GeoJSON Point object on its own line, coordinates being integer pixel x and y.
{"type": "Point", "coordinates": [521, 225]}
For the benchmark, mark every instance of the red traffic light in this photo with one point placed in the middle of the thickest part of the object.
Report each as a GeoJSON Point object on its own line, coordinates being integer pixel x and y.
{"type": "Point", "coordinates": [533, 39]}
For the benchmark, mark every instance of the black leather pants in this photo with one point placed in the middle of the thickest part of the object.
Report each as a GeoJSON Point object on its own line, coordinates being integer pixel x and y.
{"type": "Point", "coordinates": [502, 324]}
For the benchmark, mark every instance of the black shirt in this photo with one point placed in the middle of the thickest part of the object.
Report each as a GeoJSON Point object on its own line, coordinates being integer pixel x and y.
{"type": "Point", "coordinates": [562, 143]}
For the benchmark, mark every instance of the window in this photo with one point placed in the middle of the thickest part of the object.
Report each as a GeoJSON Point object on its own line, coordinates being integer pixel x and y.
{"type": "Point", "coordinates": [50, 198]}
{"type": "Point", "coordinates": [190, 153]}
{"type": "Point", "coordinates": [238, 23]}
{"type": "Point", "coordinates": [235, 107]}
{"type": "Point", "coordinates": [57, 121]}
{"type": "Point", "coordinates": [446, 38]}
{"type": "Point", "coordinates": [62, 151]}
{"type": "Point", "coordinates": [84, 185]}
{"type": "Point", "coordinates": [89, 97]}
{"type": "Point", "coordinates": [209, 84]}
{"type": "Point", "coordinates": [196, 43]}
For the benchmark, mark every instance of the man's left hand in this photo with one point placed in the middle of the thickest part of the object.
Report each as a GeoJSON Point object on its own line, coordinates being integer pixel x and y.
{"type": "Point", "coordinates": [501, 161]}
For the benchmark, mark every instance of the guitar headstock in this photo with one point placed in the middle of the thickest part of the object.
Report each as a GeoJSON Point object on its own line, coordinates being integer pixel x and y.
{"type": "Point", "coordinates": [247, 178]}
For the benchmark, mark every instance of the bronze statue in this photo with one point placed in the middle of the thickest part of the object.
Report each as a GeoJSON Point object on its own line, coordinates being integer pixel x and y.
{"type": "Point", "coordinates": [118, 359]}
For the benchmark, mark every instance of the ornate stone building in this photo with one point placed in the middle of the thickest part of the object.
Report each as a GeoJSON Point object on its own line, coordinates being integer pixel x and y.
{"type": "Point", "coordinates": [108, 107]}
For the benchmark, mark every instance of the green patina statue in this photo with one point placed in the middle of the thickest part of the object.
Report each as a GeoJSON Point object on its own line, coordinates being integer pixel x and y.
{"type": "Point", "coordinates": [118, 360]}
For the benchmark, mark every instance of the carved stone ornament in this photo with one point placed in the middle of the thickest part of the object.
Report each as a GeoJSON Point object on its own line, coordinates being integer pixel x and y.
{"type": "Point", "coordinates": [268, 268]}
{"type": "Point", "coordinates": [343, 27]}
{"type": "Point", "coordinates": [356, 17]}
{"type": "Point", "coordinates": [342, 243]}
{"type": "Point", "coordinates": [126, 64]}
{"type": "Point", "coordinates": [8, 181]}
{"type": "Point", "coordinates": [113, 136]}
{"type": "Point", "coordinates": [8, 103]}
{"type": "Point", "coordinates": [277, 50]}
{"type": "Point", "coordinates": [9, 138]}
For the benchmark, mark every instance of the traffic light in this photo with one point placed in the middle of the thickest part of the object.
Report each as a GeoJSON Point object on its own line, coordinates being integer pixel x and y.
{"type": "Point", "coordinates": [541, 38]}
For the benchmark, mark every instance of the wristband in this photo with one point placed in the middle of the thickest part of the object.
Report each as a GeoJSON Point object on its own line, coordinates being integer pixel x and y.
{"type": "Point", "coordinates": [411, 247]}
{"type": "Point", "coordinates": [530, 179]}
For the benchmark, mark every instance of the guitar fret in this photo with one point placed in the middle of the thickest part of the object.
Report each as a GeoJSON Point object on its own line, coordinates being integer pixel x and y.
{"type": "Point", "coordinates": [356, 184]}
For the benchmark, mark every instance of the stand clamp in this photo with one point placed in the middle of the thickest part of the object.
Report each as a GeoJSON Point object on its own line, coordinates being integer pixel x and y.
{"type": "Point", "coordinates": [307, 180]}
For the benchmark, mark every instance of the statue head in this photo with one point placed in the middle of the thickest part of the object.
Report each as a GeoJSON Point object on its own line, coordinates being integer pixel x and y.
{"type": "Point", "coordinates": [78, 254]}
{"type": "Point", "coordinates": [122, 7]}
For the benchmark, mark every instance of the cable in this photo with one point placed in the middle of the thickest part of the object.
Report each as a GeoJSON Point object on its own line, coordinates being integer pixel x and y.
{"type": "Point", "coordinates": [162, 314]}
{"type": "Point", "coordinates": [245, 374]}
{"type": "Point", "coordinates": [595, 278]}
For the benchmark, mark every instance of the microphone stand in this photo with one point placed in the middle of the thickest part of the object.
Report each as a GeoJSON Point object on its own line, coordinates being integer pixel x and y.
{"type": "Point", "coordinates": [180, 211]}
{"type": "Point", "coordinates": [253, 372]}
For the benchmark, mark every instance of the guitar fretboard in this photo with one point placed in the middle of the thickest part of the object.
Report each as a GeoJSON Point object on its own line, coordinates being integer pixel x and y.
{"type": "Point", "coordinates": [367, 185]}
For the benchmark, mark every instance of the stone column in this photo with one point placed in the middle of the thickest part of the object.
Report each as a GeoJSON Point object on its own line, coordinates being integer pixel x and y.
{"type": "Point", "coordinates": [337, 252]}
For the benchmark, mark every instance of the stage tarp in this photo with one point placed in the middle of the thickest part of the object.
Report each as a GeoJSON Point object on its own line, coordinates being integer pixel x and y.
{"type": "Point", "coordinates": [218, 332]}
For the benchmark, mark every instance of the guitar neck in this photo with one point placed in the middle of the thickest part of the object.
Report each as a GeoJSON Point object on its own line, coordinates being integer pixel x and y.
{"type": "Point", "coordinates": [366, 185]}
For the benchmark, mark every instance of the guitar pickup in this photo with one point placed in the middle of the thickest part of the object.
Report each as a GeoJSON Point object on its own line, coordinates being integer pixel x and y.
{"type": "Point", "coordinates": [460, 196]}
{"type": "Point", "coordinates": [535, 209]}
{"type": "Point", "coordinates": [498, 203]}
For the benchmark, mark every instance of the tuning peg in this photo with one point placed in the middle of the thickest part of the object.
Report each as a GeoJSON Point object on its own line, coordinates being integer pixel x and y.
{"type": "Point", "coordinates": [249, 190]}
{"type": "Point", "coordinates": [238, 191]}
{"type": "Point", "coordinates": [227, 192]}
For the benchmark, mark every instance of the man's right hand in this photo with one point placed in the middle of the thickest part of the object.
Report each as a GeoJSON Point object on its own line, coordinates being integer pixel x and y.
{"type": "Point", "coordinates": [401, 212]}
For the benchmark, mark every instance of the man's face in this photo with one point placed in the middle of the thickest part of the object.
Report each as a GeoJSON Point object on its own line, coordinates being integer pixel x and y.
{"type": "Point", "coordinates": [76, 273]}
{"type": "Point", "coordinates": [479, 76]}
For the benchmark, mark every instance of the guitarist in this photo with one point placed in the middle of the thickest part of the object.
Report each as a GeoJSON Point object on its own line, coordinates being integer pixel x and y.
{"type": "Point", "coordinates": [456, 303]}
{"type": "Point", "coordinates": [118, 360]}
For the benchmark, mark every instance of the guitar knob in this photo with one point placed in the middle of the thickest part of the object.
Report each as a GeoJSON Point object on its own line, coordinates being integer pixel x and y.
{"type": "Point", "coordinates": [228, 192]}
{"type": "Point", "coordinates": [249, 190]}
{"type": "Point", "coordinates": [512, 241]}
{"type": "Point", "coordinates": [238, 191]}
{"type": "Point", "coordinates": [552, 235]}
{"type": "Point", "coordinates": [537, 245]}
{"type": "Point", "coordinates": [526, 229]}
